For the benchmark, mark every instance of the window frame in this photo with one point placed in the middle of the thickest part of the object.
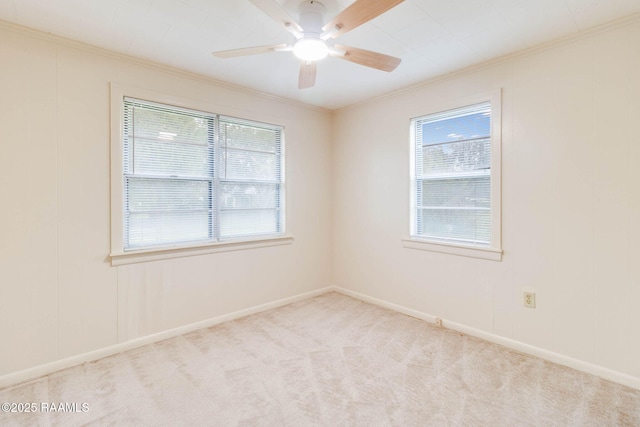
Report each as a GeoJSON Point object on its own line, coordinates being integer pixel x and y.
{"type": "Point", "coordinates": [493, 251]}
{"type": "Point", "coordinates": [118, 254]}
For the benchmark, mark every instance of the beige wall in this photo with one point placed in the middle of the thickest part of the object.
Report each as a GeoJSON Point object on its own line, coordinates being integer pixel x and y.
{"type": "Point", "coordinates": [59, 295]}
{"type": "Point", "coordinates": [570, 193]}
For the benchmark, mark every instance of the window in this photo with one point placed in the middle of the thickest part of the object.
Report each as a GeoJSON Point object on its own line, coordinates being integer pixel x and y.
{"type": "Point", "coordinates": [190, 178]}
{"type": "Point", "coordinates": [456, 179]}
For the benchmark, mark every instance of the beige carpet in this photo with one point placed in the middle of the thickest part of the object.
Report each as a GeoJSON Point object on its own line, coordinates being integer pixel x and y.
{"type": "Point", "coordinates": [326, 361]}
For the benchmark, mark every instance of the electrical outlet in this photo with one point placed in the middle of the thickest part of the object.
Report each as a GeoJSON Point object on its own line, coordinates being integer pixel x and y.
{"type": "Point", "coordinates": [438, 321]}
{"type": "Point", "coordinates": [529, 299]}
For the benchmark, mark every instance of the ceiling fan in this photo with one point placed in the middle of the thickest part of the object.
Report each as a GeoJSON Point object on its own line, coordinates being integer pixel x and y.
{"type": "Point", "coordinates": [314, 37]}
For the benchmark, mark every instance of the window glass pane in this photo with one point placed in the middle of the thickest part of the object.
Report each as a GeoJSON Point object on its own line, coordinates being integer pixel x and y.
{"type": "Point", "coordinates": [250, 222]}
{"type": "Point", "coordinates": [243, 136]}
{"type": "Point", "coordinates": [162, 228]}
{"type": "Point", "coordinates": [471, 226]}
{"type": "Point", "coordinates": [240, 164]}
{"type": "Point", "coordinates": [168, 158]}
{"type": "Point", "coordinates": [456, 157]}
{"type": "Point", "coordinates": [165, 211]}
{"type": "Point", "coordinates": [248, 196]}
{"type": "Point", "coordinates": [466, 192]}
{"type": "Point", "coordinates": [458, 125]}
{"type": "Point", "coordinates": [162, 124]}
{"type": "Point", "coordinates": [168, 142]}
{"type": "Point", "coordinates": [167, 195]}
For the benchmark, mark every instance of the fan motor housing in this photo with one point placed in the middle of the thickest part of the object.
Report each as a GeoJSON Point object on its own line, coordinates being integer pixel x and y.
{"type": "Point", "coordinates": [311, 17]}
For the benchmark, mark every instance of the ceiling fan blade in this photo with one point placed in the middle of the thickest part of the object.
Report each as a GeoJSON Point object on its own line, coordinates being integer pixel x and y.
{"type": "Point", "coordinates": [368, 58]}
{"type": "Point", "coordinates": [277, 13]}
{"type": "Point", "coordinates": [250, 51]}
{"type": "Point", "coordinates": [307, 77]}
{"type": "Point", "coordinates": [358, 13]}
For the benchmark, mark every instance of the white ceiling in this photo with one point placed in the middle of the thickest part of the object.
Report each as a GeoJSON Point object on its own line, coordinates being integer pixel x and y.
{"type": "Point", "coordinates": [433, 37]}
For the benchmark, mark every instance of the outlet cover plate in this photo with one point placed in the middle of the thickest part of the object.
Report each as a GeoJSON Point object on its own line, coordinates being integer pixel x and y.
{"type": "Point", "coordinates": [529, 299]}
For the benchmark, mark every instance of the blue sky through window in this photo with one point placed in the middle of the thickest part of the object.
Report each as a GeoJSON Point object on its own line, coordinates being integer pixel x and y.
{"type": "Point", "coordinates": [469, 126]}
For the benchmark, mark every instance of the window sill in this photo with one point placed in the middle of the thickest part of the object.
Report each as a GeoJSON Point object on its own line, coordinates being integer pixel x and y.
{"type": "Point", "coordinates": [453, 249]}
{"type": "Point", "coordinates": [156, 254]}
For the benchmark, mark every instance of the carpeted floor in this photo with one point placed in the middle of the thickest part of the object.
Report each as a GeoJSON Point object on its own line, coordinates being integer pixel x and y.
{"type": "Point", "coordinates": [326, 361]}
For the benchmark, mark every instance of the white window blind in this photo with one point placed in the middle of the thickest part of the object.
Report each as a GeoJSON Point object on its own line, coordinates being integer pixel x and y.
{"type": "Point", "coordinates": [192, 177]}
{"type": "Point", "coordinates": [452, 186]}
{"type": "Point", "coordinates": [250, 178]}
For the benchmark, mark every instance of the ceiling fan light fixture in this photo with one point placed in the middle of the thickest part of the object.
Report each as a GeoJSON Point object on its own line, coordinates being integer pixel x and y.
{"type": "Point", "coordinates": [311, 49]}
{"type": "Point", "coordinates": [314, 37]}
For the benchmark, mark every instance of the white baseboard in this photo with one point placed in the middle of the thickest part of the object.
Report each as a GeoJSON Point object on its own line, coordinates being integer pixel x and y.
{"type": "Point", "coordinates": [49, 368]}
{"type": "Point", "coordinates": [580, 365]}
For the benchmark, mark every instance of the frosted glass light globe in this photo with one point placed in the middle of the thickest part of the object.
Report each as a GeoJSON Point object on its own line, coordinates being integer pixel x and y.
{"type": "Point", "coordinates": [310, 49]}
